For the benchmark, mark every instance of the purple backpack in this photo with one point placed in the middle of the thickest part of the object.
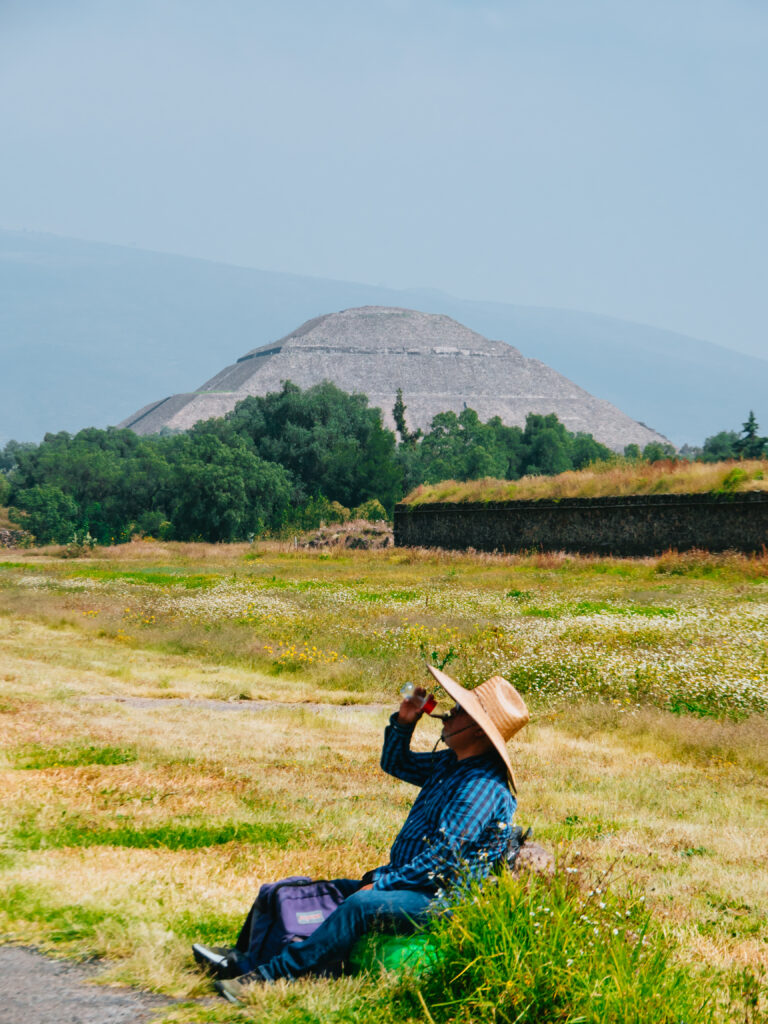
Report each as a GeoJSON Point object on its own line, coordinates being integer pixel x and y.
{"type": "Point", "coordinates": [285, 911]}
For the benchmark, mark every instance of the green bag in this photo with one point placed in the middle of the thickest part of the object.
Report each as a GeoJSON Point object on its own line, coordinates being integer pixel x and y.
{"type": "Point", "coordinates": [381, 952]}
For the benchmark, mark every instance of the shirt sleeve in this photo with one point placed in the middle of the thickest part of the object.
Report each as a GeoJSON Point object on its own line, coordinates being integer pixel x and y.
{"type": "Point", "coordinates": [399, 760]}
{"type": "Point", "coordinates": [471, 837]}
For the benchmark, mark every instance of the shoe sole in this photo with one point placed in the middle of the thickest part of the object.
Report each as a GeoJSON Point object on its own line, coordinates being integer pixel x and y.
{"type": "Point", "coordinates": [229, 996]}
{"type": "Point", "coordinates": [205, 957]}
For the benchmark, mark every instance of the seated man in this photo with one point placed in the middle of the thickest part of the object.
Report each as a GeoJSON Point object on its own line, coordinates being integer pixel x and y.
{"type": "Point", "coordinates": [457, 828]}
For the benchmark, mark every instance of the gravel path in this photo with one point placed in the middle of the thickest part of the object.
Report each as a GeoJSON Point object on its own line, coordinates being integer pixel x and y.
{"type": "Point", "coordinates": [37, 990]}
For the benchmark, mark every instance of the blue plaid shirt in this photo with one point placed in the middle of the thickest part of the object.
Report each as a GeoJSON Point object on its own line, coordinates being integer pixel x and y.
{"type": "Point", "coordinates": [459, 823]}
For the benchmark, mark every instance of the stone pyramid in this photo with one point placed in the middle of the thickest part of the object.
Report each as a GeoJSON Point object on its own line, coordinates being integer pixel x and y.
{"type": "Point", "coordinates": [439, 364]}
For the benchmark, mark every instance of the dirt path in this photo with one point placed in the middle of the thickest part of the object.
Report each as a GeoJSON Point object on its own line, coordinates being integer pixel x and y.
{"type": "Point", "coordinates": [37, 990]}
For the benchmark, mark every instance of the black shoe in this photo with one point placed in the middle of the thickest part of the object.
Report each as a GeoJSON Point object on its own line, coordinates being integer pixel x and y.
{"type": "Point", "coordinates": [219, 960]}
{"type": "Point", "coordinates": [235, 989]}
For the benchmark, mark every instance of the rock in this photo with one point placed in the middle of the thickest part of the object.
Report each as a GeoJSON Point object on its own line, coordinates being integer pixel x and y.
{"type": "Point", "coordinates": [534, 858]}
{"type": "Point", "coordinates": [358, 534]}
{"type": "Point", "coordinates": [13, 538]}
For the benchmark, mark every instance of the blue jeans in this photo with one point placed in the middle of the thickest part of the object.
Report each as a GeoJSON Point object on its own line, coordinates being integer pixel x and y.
{"type": "Point", "coordinates": [398, 910]}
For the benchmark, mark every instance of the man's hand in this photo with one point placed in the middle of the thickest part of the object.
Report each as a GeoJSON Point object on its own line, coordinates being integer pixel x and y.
{"type": "Point", "coordinates": [410, 710]}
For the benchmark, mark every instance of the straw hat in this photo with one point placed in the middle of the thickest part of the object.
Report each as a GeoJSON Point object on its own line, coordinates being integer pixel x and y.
{"type": "Point", "coordinates": [495, 705]}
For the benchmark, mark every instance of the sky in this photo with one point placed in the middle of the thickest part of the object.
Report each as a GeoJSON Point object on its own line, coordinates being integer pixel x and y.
{"type": "Point", "coordinates": [600, 155]}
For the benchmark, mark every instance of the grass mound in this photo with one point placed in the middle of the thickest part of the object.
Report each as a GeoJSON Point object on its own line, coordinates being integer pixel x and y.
{"type": "Point", "coordinates": [546, 950]}
{"type": "Point", "coordinates": [619, 478]}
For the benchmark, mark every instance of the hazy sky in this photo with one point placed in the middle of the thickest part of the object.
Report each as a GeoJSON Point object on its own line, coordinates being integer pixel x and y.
{"type": "Point", "coordinates": [606, 156]}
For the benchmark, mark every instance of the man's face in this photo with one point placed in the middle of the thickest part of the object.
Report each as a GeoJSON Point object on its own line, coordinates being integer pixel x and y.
{"type": "Point", "coordinates": [459, 729]}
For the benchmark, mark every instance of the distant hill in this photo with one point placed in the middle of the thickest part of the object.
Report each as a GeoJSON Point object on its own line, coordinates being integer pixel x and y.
{"type": "Point", "coordinates": [91, 332]}
{"type": "Point", "coordinates": [439, 365]}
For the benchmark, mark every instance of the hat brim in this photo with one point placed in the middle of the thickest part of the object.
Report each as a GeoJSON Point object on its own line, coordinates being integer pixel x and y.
{"type": "Point", "coordinates": [467, 700]}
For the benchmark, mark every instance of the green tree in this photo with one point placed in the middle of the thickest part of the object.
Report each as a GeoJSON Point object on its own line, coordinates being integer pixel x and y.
{"type": "Point", "coordinates": [690, 452]}
{"type": "Point", "coordinates": [8, 454]}
{"type": "Point", "coordinates": [330, 442]}
{"type": "Point", "coordinates": [460, 448]}
{"type": "Point", "coordinates": [585, 450]}
{"type": "Point", "coordinates": [510, 448]}
{"type": "Point", "coordinates": [113, 476]}
{"type": "Point", "coordinates": [547, 445]}
{"type": "Point", "coordinates": [750, 445]}
{"type": "Point", "coordinates": [224, 492]}
{"type": "Point", "coordinates": [411, 464]}
{"type": "Point", "coordinates": [463, 448]}
{"type": "Point", "coordinates": [407, 437]}
{"type": "Point", "coordinates": [547, 456]}
{"type": "Point", "coordinates": [656, 451]}
{"type": "Point", "coordinates": [51, 516]}
{"type": "Point", "coordinates": [720, 446]}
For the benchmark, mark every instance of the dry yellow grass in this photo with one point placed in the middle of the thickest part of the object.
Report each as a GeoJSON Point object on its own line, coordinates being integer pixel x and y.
{"type": "Point", "coordinates": [616, 790]}
{"type": "Point", "coordinates": [602, 479]}
{"type": "Point", "coordinates": [675, 805]}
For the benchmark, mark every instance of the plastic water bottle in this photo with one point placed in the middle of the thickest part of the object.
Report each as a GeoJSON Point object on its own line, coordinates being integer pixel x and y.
{"type": "Point", "coordinates": [429, 703]}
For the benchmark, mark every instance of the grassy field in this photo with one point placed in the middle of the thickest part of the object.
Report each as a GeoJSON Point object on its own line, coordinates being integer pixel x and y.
{"type": "Point", "coordinates": [601, 479]}
{"type": "Point", "coordinates": [181, 723]}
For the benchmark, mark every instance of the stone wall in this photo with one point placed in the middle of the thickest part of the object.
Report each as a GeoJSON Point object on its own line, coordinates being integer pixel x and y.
{"type": "Point", "coordinates": [635, 525]}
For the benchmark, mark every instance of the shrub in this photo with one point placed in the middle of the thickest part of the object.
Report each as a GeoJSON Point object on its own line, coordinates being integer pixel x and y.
{"type": "Point", "coordinates": [371, 510]}
{"type": "Point", "coordinates": [80, 546]}
{"type": "Point", "coordinates": [541, 949]}
{"type": "Point", "coordinates": [338, 514]}
{"type": "Point", "coordinates": [314, 512]}
{"type": "Point", "coordinates": [153, 524]}
{"type": "Point", "coordinates": [732, 480]}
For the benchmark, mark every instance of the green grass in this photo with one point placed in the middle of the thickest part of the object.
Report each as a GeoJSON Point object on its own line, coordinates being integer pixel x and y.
{"type": "Point", "coordinates": [209, 928]}
{"type": "Point", "coordinates": [605, 608]}
{"type": "Point", "coordinates": [533, 612]}
{"type": "Point", "coordinates": [65, 924]}
{"type": "Point", "coordinates": [169, 576]}
{"type": "Point", "coordinates": [72, 832]}
{"type": "Point", "coordinates": [37, 756]}
{"type": "Point", "coordinates": [397, 596]}
{"type": "Point", "coordinates": [83, 925]}
{"type": "Point", "coordinates": [547, 950]}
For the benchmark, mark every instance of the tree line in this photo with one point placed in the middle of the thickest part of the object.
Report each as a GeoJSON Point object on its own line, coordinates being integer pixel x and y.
{"type": "Point", "coordinates": [730, 444]}
{"type": "Point", "coordinates": [279, 462]}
